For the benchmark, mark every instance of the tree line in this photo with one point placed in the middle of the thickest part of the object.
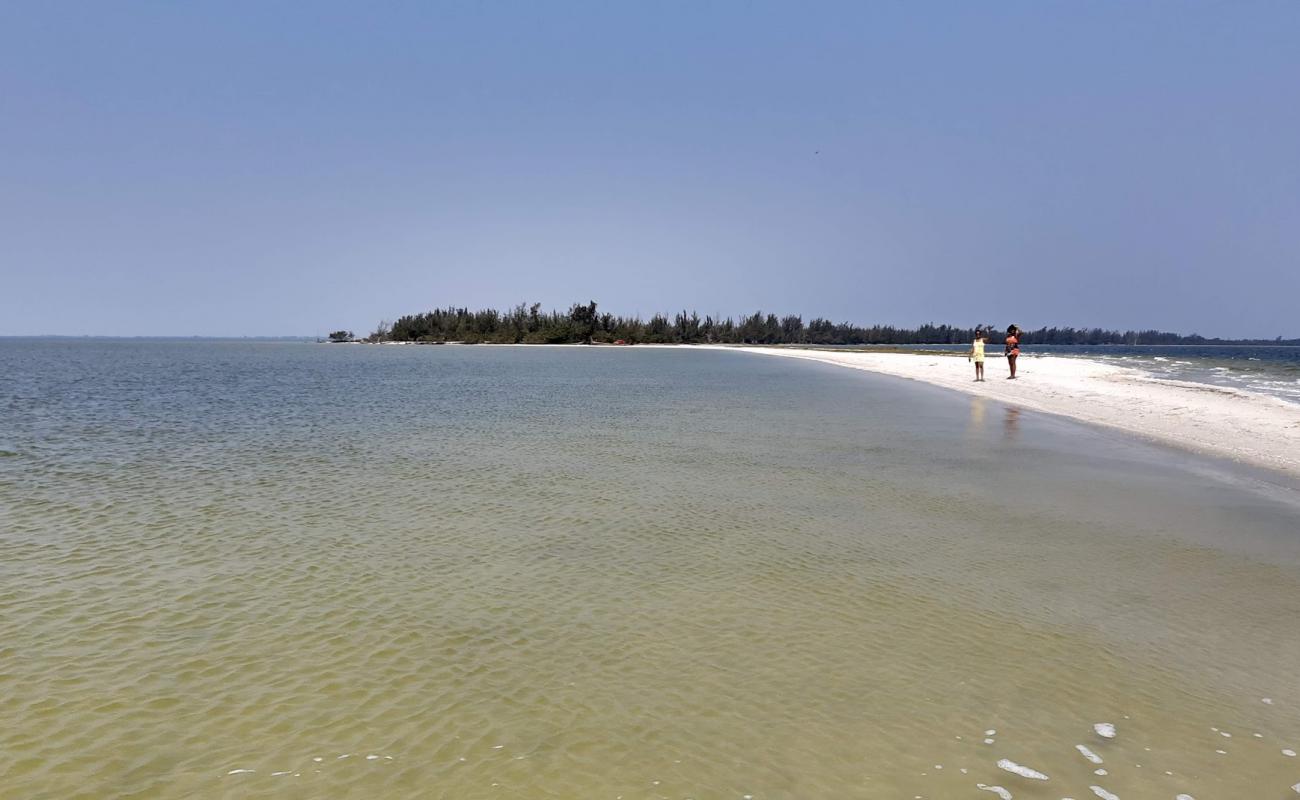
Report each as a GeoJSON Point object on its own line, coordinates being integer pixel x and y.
{"type": "Point", "coordinates": [582, 323]}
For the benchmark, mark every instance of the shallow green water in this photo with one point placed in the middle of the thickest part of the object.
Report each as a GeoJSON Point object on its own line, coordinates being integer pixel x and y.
{"type": "Point", "coordinates": [573, 573]}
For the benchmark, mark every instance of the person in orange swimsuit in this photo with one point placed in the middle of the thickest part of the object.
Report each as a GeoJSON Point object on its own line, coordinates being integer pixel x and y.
{"type": "Point", "coordinates": [1013, 349]}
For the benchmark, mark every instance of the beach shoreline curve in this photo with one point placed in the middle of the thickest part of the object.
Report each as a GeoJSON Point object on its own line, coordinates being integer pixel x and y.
{"type": "Point", "coordinates": [1242, 426]}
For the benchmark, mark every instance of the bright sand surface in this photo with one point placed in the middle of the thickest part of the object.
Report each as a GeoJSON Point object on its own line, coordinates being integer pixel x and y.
{"type": "Point", "coordinates": [1246, 427]}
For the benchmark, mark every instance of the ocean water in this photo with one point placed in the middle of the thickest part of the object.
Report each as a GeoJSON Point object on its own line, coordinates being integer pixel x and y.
{"type": "Point", "coordinates": [1264, 369]}
{"type": "Point", "coordinates": [243, 570]}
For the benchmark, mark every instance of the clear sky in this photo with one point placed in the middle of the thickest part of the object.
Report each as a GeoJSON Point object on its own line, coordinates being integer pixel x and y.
{"type": "Point", "coordinates": [290, 168]}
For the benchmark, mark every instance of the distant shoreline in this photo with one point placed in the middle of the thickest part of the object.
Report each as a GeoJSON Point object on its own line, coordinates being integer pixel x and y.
{"type": "Point", "coordinates": [1239, 425]}
{"type": "Point", "coordinates": [920, 347]}
{"type": "Point", "coordinates": [1231, 423]}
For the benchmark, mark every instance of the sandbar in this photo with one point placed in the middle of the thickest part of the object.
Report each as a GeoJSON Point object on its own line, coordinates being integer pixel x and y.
{"type": "Point", "coordinates": [1246, 427]}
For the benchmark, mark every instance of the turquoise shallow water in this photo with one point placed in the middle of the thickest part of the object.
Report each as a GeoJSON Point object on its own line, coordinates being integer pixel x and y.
{"type": "Point", "coordinates": [570, 572]}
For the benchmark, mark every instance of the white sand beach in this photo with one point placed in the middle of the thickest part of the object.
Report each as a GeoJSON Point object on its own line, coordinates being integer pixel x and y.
{"type": "Point", "coordinates": [1246, 427]}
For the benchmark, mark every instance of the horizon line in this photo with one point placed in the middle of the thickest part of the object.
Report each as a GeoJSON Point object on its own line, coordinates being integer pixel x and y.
{"type": "Point", "coordinates": [1209, 340]}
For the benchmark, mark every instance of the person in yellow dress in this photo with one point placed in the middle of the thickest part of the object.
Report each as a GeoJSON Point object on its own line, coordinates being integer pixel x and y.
{"type": "Point", "coordinates": [977, 354]}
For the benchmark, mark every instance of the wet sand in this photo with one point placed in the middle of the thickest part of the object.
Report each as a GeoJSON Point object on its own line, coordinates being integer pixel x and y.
{"type": "Point", "coordinates": [1245, 427]}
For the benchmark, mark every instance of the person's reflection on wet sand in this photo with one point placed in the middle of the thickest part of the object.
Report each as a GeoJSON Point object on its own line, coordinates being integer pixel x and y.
{"type": "Point", "coordinates": [978, 405]}
{"type": "Point", "coordinates": [1011, 423]}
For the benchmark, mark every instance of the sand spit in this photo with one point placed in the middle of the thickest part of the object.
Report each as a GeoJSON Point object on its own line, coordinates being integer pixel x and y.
{"type": "Point", "coordinates": [1243, 426]}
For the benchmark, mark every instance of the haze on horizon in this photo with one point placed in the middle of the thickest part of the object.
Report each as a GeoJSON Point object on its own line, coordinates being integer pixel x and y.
{"type": "Point", "coordinates": [288, 169]}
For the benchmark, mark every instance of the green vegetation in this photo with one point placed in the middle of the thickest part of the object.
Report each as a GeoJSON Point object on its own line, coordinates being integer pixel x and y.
{"type": "Point", "coordinates": [582, 324]}
{"type": "Point", "coordinates": [341, 336]}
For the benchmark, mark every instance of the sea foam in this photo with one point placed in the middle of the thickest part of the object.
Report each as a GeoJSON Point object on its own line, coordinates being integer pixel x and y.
{"type": "Point", "coordinates": [1024, 772]}
{"type": "Point", "coordinates": [1088, 754]}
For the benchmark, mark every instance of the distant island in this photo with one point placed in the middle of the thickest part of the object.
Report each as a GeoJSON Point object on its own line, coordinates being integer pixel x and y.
{"type": "Point", "coordinates": [582, 324]}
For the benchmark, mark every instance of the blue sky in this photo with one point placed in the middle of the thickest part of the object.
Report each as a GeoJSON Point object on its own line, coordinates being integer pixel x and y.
{"type": "Point", "coordinates": [289, 168]}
